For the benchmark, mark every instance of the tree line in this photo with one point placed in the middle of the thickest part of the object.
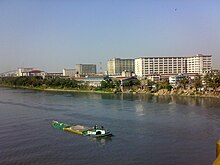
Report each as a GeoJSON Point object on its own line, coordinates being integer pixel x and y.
{"type": "Point", "coordinates": [210, 80]}
{"type": "Point", "coordinates": [62, 83]}
{"type": "Point", "coordinates": [37, 81]}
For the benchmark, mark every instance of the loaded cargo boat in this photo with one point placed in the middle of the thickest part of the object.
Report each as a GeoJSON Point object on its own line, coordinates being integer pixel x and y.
{"type": "Point", "coordinates": [82, 130]}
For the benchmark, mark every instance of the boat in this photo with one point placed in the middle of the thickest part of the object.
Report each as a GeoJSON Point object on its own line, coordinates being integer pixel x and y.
{"type": "Point", "coordinates": [95, 131]}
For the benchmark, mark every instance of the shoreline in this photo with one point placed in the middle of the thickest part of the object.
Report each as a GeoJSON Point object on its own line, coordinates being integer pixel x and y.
{"type": "Point", "coordinates": [158, 93]}
{"type": "Point", "coordinates": [55, 89]}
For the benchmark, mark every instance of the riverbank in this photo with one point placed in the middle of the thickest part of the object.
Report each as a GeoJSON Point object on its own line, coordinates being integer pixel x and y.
{"type": "Point", "coordinates": [161, 92]}
{"type": "Point", "coordinates": [56, 89]}
{"type": "Point", "coordinates": [189, 92]}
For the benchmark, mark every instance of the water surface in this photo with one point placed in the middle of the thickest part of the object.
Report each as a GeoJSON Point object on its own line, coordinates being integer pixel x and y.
{"type": "Point", "coordinates": [148, 130]}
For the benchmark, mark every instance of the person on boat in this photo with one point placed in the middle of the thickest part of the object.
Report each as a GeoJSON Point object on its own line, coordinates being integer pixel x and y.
{"type": "Point", "coordinates": [95, 127]}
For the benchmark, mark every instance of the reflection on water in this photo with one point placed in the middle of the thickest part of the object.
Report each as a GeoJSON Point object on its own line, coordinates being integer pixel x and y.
{"type": "Point", "coordinates": [101, 140]}
{"type": "Point", "coordinates": [193, 101]}
{"type": "Point", "coordinates": [208, 102]}
{"type": "Point", "coordinates": [139, 109]}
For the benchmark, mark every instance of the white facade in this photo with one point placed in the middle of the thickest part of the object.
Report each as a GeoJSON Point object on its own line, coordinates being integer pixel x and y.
{"type": "Point", "coordinates": [69, 72]}
{"type": "Point", "coordinates": [145, 66]}
{"type": "Point", "coordinates": [24, 71]}
{"type": "Point", "coordinates": [117, 65]}
{"type": "Point", "coordinates": [199, 64]}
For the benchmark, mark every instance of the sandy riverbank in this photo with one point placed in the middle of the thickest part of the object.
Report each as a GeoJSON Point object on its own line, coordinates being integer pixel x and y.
{"type": "Point", "coordinates": [162, 92]}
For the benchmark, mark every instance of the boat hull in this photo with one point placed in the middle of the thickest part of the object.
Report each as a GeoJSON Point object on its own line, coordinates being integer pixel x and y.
{"type": "Point", "coordinates": [82, 130]}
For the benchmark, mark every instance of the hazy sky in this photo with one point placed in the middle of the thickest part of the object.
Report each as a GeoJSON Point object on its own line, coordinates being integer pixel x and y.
{"type": "Point", "coordinates": [56, 34]}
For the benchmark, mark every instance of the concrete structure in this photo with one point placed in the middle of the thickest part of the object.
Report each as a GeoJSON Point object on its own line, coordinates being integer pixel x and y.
{"type": "Point", "coordinates": [54, 74]}
{"type": "Point", "coordinates": [94, 81]}
{"type": "Point", "coordinates": [85, 69]}
{"type": "Point", "coordinates": [24, 71]}
{"type": "Point", "coordinates": [197, 64]}
{"type": "Point", "coordinates": [117, 65]}
{"type": "Point", "coordinates": [30, 72]}
{"type": "Point", "coordinates": [37, 73]}
{"type": "Point", "coordinates": [13, 73]}
{"type": "Point", "coordinates": [154, 78]}
{"type": "Point", "coordinates": [69, 72]}
{"type": "Point", "coordinates": [174, 79]}
{"type": "Point", "coordinates": [127, 73]}
{"type": "Point", "coordinates": [145, 66]}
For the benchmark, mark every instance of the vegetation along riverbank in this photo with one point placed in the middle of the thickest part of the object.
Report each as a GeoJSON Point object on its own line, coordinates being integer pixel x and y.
{"type": "Point", "coordinates": [208, 86]}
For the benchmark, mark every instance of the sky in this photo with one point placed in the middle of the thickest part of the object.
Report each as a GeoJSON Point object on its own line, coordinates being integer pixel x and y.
{"type": "Point", "coordinates": [54, 34]}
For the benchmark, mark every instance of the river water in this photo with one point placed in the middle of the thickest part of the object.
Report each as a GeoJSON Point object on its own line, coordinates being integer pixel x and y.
{"type": "Point", "coordinates": [147, 130]}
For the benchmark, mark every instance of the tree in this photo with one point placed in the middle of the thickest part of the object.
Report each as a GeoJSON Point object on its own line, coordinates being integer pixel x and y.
{"type": "Point", "coordinates": [107, 84]}
{"type": "Point", "coordinates": [197, 82]}
{"type": "Point", "coordinates": [212, 80]}
{"type": "Point", "coordinates": [183, 82]}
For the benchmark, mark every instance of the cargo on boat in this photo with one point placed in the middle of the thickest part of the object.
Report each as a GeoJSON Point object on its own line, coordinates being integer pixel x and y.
{"type": "Point", "coordinates": [82, 130]}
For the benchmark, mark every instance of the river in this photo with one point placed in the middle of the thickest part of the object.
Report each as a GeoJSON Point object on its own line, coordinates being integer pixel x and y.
{"type": "Point", "coordinates": [147, 130]}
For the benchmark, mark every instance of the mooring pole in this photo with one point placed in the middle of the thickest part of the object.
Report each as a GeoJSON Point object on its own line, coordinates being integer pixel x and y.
{"type": "Point", "coordinates": [217, 160]}
{"type": "Point", "coordinates": [217, 148]}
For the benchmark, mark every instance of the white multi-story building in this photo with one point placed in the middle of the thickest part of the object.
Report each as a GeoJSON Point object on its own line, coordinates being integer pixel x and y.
{"type": "Point", "coordinates": [145, 66]}
{"type": "Point", "coordinates": [69, 72]}
{"type": "Point", "coordinates": [117, 65]}
{"type": "Point", "coordinates": [199, 64]}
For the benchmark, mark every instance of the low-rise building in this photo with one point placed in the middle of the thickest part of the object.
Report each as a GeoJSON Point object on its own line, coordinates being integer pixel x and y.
{"type": "Point", "coordinates": [30, 72]}
{"type": "Point", "coordinates": [174, 79]}
{"type": "Point", "coordinates": [13, 73]}
{"type": "Point", "coordinates": [69, 72]}
{"type": "Point", "coordinates": [37, 73]}
{"type": "Point", "coordinates": [24, 71]}
{"type": "Point", "coordinates": [127, 73]}
{"type": "Point", "coordinates": [154, 78]}
{"type": "Point", "coordinates": [94, 81]}
{"type": "Point", "coordinates": [54, 74]}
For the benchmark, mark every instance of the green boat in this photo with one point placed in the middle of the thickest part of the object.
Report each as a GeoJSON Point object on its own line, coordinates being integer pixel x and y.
{"type": "Point", "coordinates": [82, 130]}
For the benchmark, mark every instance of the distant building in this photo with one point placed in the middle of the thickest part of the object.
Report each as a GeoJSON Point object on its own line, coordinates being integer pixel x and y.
{"type": "Point", "coordinates": [174, 79]}
{"type": "Point", "coordinates": [30, 72]}
{"type": "Point", "coordinates": [127, 73]}
{"type": "Point", "coordinates": [37, 73]}
{"type": "Point", "coordinates": [24, 71]}
{"type": "Point", "coordinates": [117, 65]}
{"type": "Point", "coordinates": [13, 73]}
{"type": "Point", "coordinates": [215, 71]}
{"type": "Point", "coordinates": [124, 80]}
{"type": "Point", "coordinates": [145, 66]}
{"type": "Point", "coordinates": [197, 64]}
{"type": "Point", "coordinates": [54, 74]}
{"type": "Point", "coordinates": [154, 78]}
{"type": "Point", "coordinates": [69, 72]}
{"type": "Point", "coordinates": [94, 81]}
{"type": "Point", "coordinates": [85, 69]}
